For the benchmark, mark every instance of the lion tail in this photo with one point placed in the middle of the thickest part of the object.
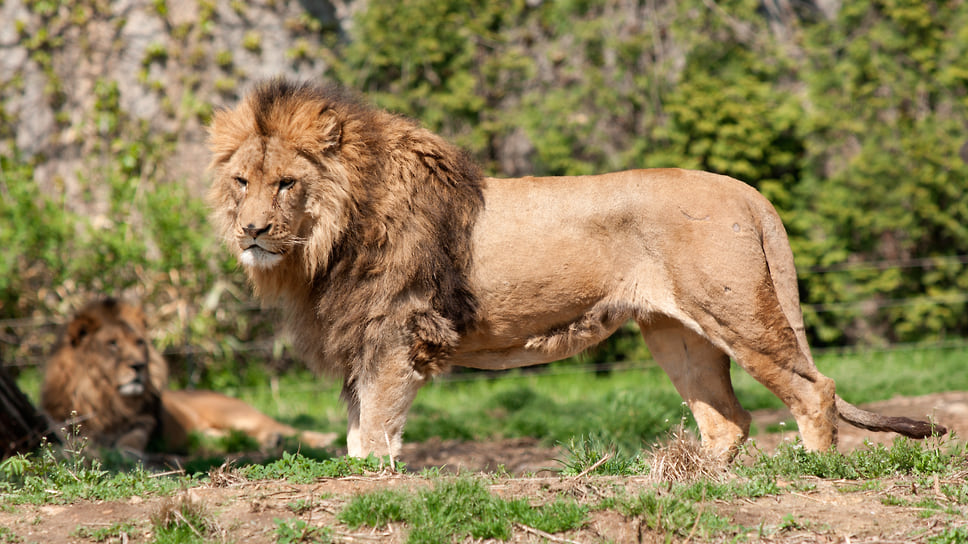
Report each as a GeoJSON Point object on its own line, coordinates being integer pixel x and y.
{"type": "Point", "coordinates": [911, 428]}
{"type": "Point", "coordinates": [779, 258]}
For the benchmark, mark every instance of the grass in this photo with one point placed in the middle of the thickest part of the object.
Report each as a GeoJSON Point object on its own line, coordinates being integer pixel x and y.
{"type": "Point", "coordinates": [103, 534]}
{"type": "Point", "coordinates": [609, 425]}
{"type": "Point", "coordinates": [458, 508]}
{"type": "Point", "coordinates": [628, 408]}
{"type": "Point", "coordinates": [183, 520]}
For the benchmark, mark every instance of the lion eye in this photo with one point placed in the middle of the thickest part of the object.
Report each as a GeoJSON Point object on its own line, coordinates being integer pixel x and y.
{"type": "Point", "coordinates": [113, 343]}
{"type": "Point", "coordinates": [243, 183]}
{"type": "Point", "coordinates": [286, 183]}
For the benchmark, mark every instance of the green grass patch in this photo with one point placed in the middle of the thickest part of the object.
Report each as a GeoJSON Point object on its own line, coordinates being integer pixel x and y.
{"type": "Point", "coordinates": [50, 476]}
{"type": "Point", "coordinates": [670, 514]}
{"type": "Point", "coordinates": [903, 457]}
{"type": "Point", "coordinates": [455, 509]}
{"type": "Point", "coordinates": [300, 469]}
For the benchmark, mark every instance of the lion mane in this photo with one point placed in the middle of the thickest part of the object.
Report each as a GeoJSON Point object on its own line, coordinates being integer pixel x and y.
{"type": "Point", "coordinates": [106, 379]}
{"type": "Point", "coordinates": [389, 215]}
{"type": "Point", "coordinates": [393, 259]}
{"type": "Point", "coordinates": [104, 372]}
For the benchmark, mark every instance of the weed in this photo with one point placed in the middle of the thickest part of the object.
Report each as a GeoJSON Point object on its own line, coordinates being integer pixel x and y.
{"type": "Point", "coordinates": [104, 534]}
{"type": "Point", "coordinates": [955, 493]}
{"type": "Point", "coordinates": [300, 506]}
{"type": "Point", "coordinates": [456, 509]}
{"type": "Point", "coordinates": [297, 531]}
{"type": "Point", "coordinates": [790, 523]}
{"type": "Point", "coordinates": [7, 536]}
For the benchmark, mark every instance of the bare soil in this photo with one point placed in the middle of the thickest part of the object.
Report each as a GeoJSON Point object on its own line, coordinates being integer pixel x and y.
{"type": "Point", "coordinates": [813, 511]}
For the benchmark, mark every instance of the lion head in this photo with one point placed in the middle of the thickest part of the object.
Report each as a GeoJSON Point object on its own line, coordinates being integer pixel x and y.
{"type": "Point", "coordinates": [350, 217]}
{"type": "Point", "coordinates": [106, 370]}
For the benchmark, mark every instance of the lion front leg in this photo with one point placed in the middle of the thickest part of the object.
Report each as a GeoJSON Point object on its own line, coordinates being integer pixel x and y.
{"type": "Point", "coordinates": [377, 406]}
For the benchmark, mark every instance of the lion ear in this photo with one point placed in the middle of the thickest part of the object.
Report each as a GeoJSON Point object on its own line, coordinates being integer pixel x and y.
{"type": "Point", "coordinates": [81, 327]}
{"type": "Point", "coordinates": [328, 130]}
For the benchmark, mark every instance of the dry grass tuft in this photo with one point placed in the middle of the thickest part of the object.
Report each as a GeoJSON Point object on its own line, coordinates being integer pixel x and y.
{"type": "Point", "coordinates": [186, 510]}
{"type": "Point", "coordinates": [225, 475]}
{"type": "Point", "coordinates": [682, 459]}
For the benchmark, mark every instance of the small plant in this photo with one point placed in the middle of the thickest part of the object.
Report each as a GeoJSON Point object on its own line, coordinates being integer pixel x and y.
{"type": "Point", "coordinates": [297, 531]}
{"type": "Point", "coordinates": [104, 534]}
{"type": "Point", "coordinates": [7, 536]}
{"type": "Point", "coordinates": [156, 52]}
{"type": "Point", "coordinates": [790, 523]}
{"type": "Point", "coordinates": [252, 41]}
{"type": "Point", "coordinates": [300, 506]}
{"type": "Point", "coordinates": [224, 59]}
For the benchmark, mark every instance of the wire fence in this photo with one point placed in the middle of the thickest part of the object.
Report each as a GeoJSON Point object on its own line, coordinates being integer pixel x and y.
{"type": "Point", "coordinates": [29, 340]}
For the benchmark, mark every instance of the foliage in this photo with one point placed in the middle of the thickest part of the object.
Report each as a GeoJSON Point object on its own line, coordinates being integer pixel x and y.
{"type": "Point", "coordinates": [458, 508]}
{"type": "Point", "coordinates": [37, 230]}
{"type": "Point", "coordinates": [850, 125]}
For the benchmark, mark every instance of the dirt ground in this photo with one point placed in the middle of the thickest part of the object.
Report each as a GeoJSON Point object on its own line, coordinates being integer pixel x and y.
{"type": "Point", "coordinates": [823, 511]}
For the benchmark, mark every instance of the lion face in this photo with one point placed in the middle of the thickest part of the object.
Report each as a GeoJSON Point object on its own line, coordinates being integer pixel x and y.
{"type": "Point", "coordinates": [280, 190]}
{"type": "Point", "coordinates": [266, 182]}
{"type": "Point", "coordinates": [104, 369]}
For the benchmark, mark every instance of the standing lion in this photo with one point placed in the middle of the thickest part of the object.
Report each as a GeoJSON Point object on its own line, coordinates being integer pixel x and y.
{"type": "Point", "coordinates": [393, 259]}
{"type": "Point", "coordinates": [106, 376]}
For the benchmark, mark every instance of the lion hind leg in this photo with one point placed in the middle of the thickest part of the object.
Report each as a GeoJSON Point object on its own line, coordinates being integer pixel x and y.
{"type": "Point", "coordinates": [767, 348]}
{"type": "Point", "coordinates": [700, 373]}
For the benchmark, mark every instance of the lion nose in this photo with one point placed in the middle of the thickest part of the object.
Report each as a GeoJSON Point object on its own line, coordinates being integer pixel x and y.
{"type": "Point", "coordinates": [254, 232]}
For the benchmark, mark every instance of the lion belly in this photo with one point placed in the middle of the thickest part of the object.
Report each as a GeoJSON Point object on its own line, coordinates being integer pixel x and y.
{"type": "Point", "coordinates": [560, 263]}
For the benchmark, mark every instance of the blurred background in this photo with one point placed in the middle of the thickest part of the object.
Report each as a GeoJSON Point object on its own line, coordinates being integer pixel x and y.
{"type": "Point", "coordinates": [849, 115]}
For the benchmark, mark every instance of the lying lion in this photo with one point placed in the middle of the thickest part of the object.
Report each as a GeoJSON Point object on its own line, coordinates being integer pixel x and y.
{"type": "Point", "coordinates": [106, 372]}
{"type": "Point", "coordinates": [393, 259]}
